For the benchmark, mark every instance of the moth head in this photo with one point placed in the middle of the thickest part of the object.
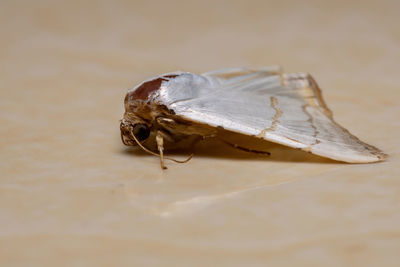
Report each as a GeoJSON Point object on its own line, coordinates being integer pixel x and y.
{"type": "Point", "coordinates": [131, 130]}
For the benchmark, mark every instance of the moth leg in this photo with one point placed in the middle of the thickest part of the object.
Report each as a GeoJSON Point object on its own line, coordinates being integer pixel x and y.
{"type": "Point", "coordinates": [245, 149]}
{"type": "Point", "coordinates": [167, 137]}
{"type": "Point", "coordinates": [160, 146]}
{"type": "Point", "coordinates": [185, 129]}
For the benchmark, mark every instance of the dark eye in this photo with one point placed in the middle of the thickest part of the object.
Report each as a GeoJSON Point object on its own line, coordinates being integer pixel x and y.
{"type": "Point", "coordinates": [141, 131]}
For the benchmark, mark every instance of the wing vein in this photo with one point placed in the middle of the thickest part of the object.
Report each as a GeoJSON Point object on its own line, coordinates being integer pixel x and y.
{"type": "Point", "coordinates": [275, 118]}
{"type": "Point", "coordinates": [316, 132]}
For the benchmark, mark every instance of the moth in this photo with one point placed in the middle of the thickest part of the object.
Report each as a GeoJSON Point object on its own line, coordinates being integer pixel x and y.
{"type": "Point", "coordinates": [263, 103]}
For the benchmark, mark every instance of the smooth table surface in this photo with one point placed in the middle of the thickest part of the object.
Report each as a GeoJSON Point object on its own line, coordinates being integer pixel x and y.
{"type": "Point", "coordinates": [72, 195]}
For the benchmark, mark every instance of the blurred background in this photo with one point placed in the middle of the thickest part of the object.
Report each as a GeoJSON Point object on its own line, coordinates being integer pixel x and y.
{"type": "Point", "coordinates": [71, 194]}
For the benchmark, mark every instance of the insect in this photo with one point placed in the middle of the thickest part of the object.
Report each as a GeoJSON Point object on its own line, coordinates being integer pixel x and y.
{"type": "Point", "coordinates": [263, 103]}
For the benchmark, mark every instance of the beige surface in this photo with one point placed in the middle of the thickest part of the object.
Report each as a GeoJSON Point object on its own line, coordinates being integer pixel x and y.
{"type": "Point", "coordinates": [72, 194]}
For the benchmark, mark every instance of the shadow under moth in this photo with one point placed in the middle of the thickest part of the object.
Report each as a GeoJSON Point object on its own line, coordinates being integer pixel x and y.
{"type": "Point", "coordinates": [263, 103]}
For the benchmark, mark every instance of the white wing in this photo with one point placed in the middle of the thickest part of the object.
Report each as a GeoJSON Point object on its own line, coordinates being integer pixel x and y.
{"type": "Point", "coordinates": [284, 108]}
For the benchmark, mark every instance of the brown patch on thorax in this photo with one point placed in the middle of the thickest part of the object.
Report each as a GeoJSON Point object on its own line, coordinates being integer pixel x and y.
{"type": "Point", "coordinates": [146, 89]}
